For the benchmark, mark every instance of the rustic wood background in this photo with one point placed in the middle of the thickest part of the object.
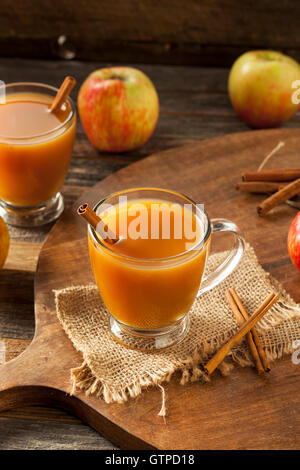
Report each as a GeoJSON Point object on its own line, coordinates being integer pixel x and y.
{"type": "Point", "coordinates": [194, 105]}
{"type": "Point", "coordinates": [200, 32]}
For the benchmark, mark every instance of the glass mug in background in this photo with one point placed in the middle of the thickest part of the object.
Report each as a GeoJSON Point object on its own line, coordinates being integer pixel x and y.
{"type": "Point", "coordinates": [149, 284]}
{"type": "Point", "coordinates": [35, 152]}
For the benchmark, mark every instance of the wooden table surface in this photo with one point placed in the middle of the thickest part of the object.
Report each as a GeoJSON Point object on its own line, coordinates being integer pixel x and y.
{"type": "Point", "coordinates": [194, 105]}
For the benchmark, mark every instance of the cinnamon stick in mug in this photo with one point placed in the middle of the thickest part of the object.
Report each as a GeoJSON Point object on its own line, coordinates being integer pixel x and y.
{"type": "Point", "coordinates": [86, 212]}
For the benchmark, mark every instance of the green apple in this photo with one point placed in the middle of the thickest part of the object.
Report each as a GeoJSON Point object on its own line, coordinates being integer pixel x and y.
{"type": "Point", "coordinates": [118, 108]}
{"type": "Point", "coordinates": [261, 87]}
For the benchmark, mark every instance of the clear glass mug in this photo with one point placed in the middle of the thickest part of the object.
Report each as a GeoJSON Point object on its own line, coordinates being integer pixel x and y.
{"type": "Point", "coordinates": [33, 168]}
{"type": "Point", "coordinates": [149, 299]}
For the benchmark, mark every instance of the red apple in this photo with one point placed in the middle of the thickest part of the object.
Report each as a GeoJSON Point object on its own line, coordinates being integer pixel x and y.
{"type": "Point", "coordinates": [294, 241]}
{"type": "Point", "coordinates": [260, 87]}
{"type": "Point", "coordinates": [119, 108]}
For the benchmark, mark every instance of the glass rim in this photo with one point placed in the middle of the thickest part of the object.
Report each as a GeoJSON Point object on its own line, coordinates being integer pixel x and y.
{"type": "Point", "coordinates": [197, 245]}
{"type": "Point", "coordinates": [42, 134]}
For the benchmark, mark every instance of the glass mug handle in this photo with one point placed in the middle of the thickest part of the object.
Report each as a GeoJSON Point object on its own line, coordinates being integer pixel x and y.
{"type": "Point", "coordinates": [231, 261]}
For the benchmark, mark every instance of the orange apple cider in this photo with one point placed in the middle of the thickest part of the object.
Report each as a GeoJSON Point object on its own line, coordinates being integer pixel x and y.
{"type": "Point", "coordinates": [151, 282]}
{"type": "Point", "coordinates": [35, 148]}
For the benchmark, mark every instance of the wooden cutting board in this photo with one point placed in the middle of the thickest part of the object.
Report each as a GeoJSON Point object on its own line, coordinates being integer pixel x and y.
{"type": "Point", "coordinates": [241, 411]}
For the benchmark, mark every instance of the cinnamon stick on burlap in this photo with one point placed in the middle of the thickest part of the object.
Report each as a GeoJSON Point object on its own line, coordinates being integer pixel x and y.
{"type": "Point", "coordinates": [255, 345]}
{"type": "Point", "coordinates": [249, 337]}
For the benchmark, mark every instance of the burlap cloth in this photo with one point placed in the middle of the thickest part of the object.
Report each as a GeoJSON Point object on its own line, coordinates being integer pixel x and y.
{"type": "Point", "coordinates": [114, 372]}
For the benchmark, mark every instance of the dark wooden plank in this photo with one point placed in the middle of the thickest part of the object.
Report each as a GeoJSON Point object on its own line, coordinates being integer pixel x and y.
{"type": "Point", "coordinates": [36, 235]}
{"type": "Point", "coordinates": [165, 78]}
{"type": "Point", "coordinates": [23, 256]}
{"type": "Point", "coordinates": [40, 413]}
{"type": "Point", "coordinates": [195, 32]}
{"type": "Point", "coordinates": [83, 149]}
{"type": "Point", "coordinates": [17, 434]}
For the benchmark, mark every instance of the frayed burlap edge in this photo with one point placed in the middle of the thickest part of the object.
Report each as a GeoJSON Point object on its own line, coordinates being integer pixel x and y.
{"type": "Point", "coordinates": [191, 369]}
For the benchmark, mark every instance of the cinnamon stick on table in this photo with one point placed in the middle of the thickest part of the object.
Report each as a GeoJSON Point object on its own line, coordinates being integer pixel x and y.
{"type": "Point", "coordinates": [252, 337]}
{"type": "Point", "coordinates": [285, 193]}
{"type": "Point", "coordinates": [260, 312]}
{"type": "Point", "coordinates": [280, 174]}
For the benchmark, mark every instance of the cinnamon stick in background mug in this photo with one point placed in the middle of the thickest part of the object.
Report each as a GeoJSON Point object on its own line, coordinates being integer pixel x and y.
{"type": "Point", "coordinates": [86, 212]}
{"type": "Point", "coordinates": [62, 94]}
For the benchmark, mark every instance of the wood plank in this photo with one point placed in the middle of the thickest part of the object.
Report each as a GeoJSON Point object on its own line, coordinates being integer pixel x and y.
{"type": "Point", "coordinates": [84, 149]}
{"type": "Point", "coordinates": [164, 77]}
{"type": "Point", "coordinates": [13, 347]}
{"type": "Point", "coordinates": [17, 434]}
{"type": "Point", "coordinates": [39, 413]}
{"type": "Point", "coordinates": [198, 32]}
{"type": "Point", "coordinates": [36, 235]}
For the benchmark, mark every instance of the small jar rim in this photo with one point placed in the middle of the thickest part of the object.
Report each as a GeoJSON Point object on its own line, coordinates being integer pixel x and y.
{"type": "Point", "coordinates": [42, 134]}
